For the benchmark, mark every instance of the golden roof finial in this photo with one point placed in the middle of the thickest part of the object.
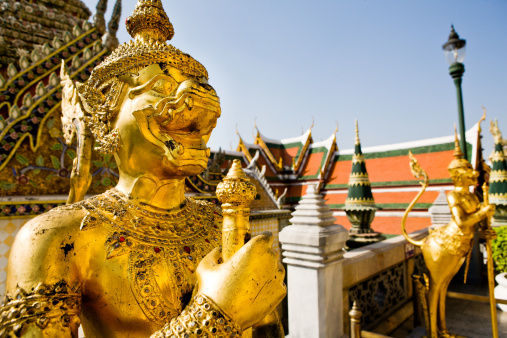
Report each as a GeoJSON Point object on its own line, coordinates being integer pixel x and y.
{"type": "Point", "coordinates": [482, 119]}
{"type": "Point", "coordinates": [336, 130]}
{"type": "Point", "coordinates": [357, 133]}
{"type": "Point", "coordinates": [150, 21]}
{"type": "Point", "coordinates": [458, 154]}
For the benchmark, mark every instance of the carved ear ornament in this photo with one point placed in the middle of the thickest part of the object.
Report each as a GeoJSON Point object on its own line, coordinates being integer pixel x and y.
{"type": "Point", "coordinates": [100, 110]}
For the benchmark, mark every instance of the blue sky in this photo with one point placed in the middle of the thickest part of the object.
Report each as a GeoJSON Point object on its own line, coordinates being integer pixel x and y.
{"type": "Point", "coordinates": [282, 62]}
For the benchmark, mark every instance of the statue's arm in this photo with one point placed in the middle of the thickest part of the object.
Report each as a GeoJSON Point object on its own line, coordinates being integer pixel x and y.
{"type": "Point", "coordinates": [459, 215]}
{"type": "Point", "coordinates": [202, 317]}
{"type": "Point", "coordinates": [231, 295]}
{"type": "Point", "coordinates": [42, 288]}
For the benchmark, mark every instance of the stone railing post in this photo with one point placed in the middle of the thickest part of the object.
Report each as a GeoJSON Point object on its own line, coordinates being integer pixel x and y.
{"type": "Point", "coordinates": [313, 251]}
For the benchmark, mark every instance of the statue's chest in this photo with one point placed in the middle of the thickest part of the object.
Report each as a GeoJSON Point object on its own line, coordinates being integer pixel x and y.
{"type": "Point", "coordinates": [469, 203]}
{"type": "Point", "coordinates": [154, 259]}
{"type": "Point", "coordinates": [161, 275]}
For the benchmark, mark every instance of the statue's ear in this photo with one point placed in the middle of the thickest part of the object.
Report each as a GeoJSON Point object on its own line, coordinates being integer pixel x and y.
{"type": "Point", "coordinates": [71, 108]}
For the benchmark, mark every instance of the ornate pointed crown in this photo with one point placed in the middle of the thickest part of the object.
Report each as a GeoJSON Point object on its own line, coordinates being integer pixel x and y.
{"type": "Point", "coordinates": [459, 161]}
{"type": "Point", "coordinates": [150, 28]}
{"type": "Point", "coordinates": [149, 15]}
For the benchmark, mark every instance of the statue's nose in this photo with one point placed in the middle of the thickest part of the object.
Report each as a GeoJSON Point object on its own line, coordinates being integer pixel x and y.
{"type": "Point", "coordinates": [197, 87]}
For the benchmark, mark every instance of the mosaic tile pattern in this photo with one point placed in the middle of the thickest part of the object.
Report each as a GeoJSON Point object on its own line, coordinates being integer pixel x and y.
{"type": "Point", "coordinates": [8, 230]}
{"type": "Point", "coordinates": [268, 224]}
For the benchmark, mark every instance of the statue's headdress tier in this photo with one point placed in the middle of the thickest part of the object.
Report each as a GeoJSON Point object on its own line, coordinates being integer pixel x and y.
{"type": "Point", "coordinates": [459, 161]}
{"type": "Point", "coordinates": [150, 27]}
{"type": "Point", "coordinates": [149, 21]}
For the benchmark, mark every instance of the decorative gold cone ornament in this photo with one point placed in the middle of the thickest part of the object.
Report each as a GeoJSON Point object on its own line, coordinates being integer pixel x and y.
{"type": "Point", "coordinates": [446, 248]}
{"type": "Point", "coordinates": [236, 192]}
{"type": "Point", "coordinates": [141, 260]}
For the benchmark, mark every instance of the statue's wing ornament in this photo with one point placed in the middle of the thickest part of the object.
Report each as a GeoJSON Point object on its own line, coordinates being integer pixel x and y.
{"type": "Point", "coordinates": [73, 121]}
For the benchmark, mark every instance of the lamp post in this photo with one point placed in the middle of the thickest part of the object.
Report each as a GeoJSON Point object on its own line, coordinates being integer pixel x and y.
{"type": "Point", "coordinates": [454, 50]}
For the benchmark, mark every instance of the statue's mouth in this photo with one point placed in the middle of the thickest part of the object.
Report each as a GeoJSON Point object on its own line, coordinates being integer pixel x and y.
{"type": "Point", "coordinates": [181, 125]}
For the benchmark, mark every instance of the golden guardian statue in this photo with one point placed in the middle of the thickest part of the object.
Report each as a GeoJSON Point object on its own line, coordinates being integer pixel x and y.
{"type": "Point", "coordinates": [446, 248]}
{"type": "Point", "coordinates": [140, 260]}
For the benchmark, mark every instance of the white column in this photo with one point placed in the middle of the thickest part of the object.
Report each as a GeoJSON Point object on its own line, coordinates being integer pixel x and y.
{"type": "Point", "coordinates": [313, 250]}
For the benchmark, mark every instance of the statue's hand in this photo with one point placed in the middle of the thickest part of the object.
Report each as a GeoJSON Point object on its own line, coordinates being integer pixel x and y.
{"type": "Point", "coordinates": [249, 285]}
{"type": "Point", "coordinates": [489, 210]}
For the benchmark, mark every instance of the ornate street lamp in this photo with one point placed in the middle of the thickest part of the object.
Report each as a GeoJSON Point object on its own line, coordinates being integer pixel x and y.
{"type": "Point", "coordinates": [454, 50]}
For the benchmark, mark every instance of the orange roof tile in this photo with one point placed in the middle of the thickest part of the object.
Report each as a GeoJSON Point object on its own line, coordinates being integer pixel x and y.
{"type": "Point", "coordinates": [391, 225]}
{"type": "Point", "coordinates": [312, 166]}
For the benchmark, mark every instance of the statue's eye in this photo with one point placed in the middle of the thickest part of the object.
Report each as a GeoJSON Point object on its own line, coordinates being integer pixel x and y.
{"type": "Point", "coordinates": [164, 86]}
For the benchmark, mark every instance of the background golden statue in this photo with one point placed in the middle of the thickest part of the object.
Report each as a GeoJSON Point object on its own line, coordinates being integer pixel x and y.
{"type": "Point", "coordinates": [446, 248]}
{"type": "Point", "coordinates": [140, 260]}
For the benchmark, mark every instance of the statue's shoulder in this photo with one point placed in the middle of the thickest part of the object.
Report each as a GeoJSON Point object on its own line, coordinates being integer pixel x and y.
{"type": "Point", "coordinates": [453, 198]}
{"type": "Point", "coordinates": [62, 219]}
{"type": "Point", "coordinates": [44, 249]}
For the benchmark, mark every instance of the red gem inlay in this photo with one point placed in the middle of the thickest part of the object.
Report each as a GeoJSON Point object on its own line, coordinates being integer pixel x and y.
{"type": "Point", "coordinates": [157, 250]}
{"type": "Point", "coordinates": [187, 249]}
{"type": "Point", "coordinates": [207, 240]}
{"type": "Point", "coordinates": [122, 239]}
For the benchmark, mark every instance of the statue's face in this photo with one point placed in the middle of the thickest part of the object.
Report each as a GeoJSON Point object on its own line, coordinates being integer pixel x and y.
{"type": "Point", "coordinates": [471, 177]}
{"type": "Point", "coordinates": [466, 177]}
{"type": "Point", "coordinates": [165, 122]}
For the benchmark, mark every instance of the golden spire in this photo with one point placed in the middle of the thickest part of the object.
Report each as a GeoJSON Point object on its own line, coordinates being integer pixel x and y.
{"type": "Point", "coordinates": [357, 133]}
{"type": "Point", "coordinates": [458, 154]}
{"type": "Point", "coordinates": [149, 21]}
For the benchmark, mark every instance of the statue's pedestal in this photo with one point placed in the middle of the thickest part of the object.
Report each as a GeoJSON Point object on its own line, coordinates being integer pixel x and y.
{"type": "Point", "coordinates": [358, 240]}
{"type": "Point", "coordinates": [361, 233]}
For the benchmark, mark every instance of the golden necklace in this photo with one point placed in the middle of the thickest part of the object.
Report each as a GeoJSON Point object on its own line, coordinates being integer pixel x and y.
{"type": "Point", "coordinates": [158, 240]}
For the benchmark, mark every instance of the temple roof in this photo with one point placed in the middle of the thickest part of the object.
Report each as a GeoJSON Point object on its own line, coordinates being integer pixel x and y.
{"type": "Point", "coordinates": [286, 154]}
{"type": "Point", "coordinates": [392, 185]}
{"type": "Point", "coordinates": [318, 158]}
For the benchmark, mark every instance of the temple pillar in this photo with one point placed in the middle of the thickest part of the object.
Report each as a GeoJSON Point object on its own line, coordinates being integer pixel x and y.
{"type": "Point", "coordinates": [313, 251]}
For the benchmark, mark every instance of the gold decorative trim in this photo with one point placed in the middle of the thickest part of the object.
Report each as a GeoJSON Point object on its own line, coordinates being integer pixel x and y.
{"type": "Point", "coordinates": [44, 306]}
{"type": "Point", "coordinates": [498, 176]}
{"type": "Point", "coordinates": [259, 141]}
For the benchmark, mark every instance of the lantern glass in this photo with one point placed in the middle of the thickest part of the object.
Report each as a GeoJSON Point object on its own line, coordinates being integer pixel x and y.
{"type": "Point", "coordinates": [454, 54]}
